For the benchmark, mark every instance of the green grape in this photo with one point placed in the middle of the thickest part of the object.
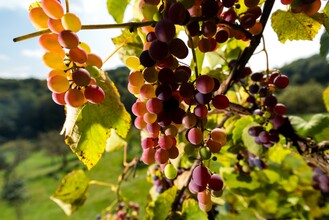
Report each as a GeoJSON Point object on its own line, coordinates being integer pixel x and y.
{"type": "Point", "coordinates": [78, 55]}
{"type": "Point", "coordinates": [54, 60]}
{"type": "Point", "coordinates": [170, 171]}
{"type": "Point", "coordinates": [55, 25]}
{"type": "Point", "coordinates": [133, 63]}
{"type": "Point", "coordinates": [38, 18]}
{"type": "Point", "coordinates": [49, 42]}
{"type": "Point", "coordinates": [205, 153]}
{"type": "Point", "coordinates": [58, 84]}
{"type": "Point", "coordinates": [93, 71]}
{"type": "Point", "coordinates": [71, 22]}
{"type": "Point", "coordinates": [94, 60]}
{"type": "Point", "coordinates": [53, 8]}
{"type": "Point", "coordinates": [74, 98]}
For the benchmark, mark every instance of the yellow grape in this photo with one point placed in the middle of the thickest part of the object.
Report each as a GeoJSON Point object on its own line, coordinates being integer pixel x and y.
{"type": "Point", "coordinates": [94, 60]}
{"type": "Point", "coordinates": [58, 84]}
{"type": "Point", "coordinates": [53, 8]}
{"type": "Point", "coordinates": [49, 42]}
{"type": "Point", "coordinates": [55, 73]}
{"type": "Point", "coordinates": [133, 63]}
{"type": "Point", "coordinates": [54, 60]}
{"type": "Point", "coordinates": [78, 55]}
{"type": "Point", "coordinates": [75, 98]}
{"type": "Point", "coordinates": [55, 25]}
{"type": "Point", "coordinates": [85, 46]}
{"type": "Point", "coordinates": [38, 18]}
{"type": "Point", "coordinates": [71, 22]}
{"type": "Point", "coordinates": [136, 78]}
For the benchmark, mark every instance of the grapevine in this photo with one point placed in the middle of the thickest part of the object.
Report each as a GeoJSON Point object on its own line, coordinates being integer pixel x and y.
{"type": "Point", "coordinates": [182, 111]}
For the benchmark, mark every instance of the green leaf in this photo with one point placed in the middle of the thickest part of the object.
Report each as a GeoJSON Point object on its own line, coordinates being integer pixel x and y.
{"type": "Point", "coordinates": [191, 211]}
{"type": "Point", "coordinates": [160, 208]}
{"type": "Point", "coordinates": [278, 153]}
{"type": "Point", "coordinates": [326, 98]}
{"type": "Point", "coordinates": [117, 9]}
{"type": "Point", "coordinates": [71, 194]}
{"type": "Point", "coordinates": [294, 26]}
{"type": "Point", "coordinates": [239, 126]}
{"type": "Point", "coordinates": [315, 125]}
{"type": "Point", "coordinates": [88, 128]}
{"type": "Point", "coordinates": [115, 142]}
{"type": "Point", "coordinates": [130, 44]}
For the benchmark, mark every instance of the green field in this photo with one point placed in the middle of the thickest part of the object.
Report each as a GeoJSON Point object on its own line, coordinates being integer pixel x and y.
{"type": "Point", "coordinates": [41, 177]}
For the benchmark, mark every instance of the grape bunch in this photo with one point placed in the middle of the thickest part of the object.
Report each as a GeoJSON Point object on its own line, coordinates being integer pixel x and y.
{"type": "Point", "coordinates": [74, 67]}
{"type": "Point", "coordinates": [320, 180]}
{"type": "Point", "coordinates": [265, 105]}
{"type": "Point", "coordinates": [204, 185]}
{"type": "Point", "coordinates": [123, 211]}
{"type": "Point", "coordinates": [248, 161]}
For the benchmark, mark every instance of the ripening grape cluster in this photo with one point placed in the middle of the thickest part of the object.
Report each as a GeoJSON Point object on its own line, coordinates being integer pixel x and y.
{"type": "Point", "coordinates": [266, 105]}
{"type": "Point", "coordinates": [308, 7]}
{"type": "Point", "coordinates": [73, 65]}
{"type": "Point", "coordinates": [123, 211]}
{"type": "Point", "coordinates": [320, 180]}
{"type": "Point", "coordinates": [204, 185]}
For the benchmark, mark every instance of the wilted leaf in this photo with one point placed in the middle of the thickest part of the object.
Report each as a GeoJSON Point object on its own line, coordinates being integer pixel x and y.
{"type": "Point", "coordinates": [71, 194]}
{"type": "Point", "coordinates": [117, 9]}
{"type": "Point", "coordinates": [88, 128]}
{"type": "Point", "coordinates": [294, 26]}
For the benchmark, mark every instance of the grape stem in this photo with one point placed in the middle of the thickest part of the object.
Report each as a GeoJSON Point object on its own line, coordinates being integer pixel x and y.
{"type": "Point", "coordinates": [130, 25]}
{"type": "Point", "coordinates": [67, 5]}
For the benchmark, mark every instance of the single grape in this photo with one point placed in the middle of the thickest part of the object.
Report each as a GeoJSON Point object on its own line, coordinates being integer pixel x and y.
{"type": "Point", "coordinates": [170, 171]}
{"type": "Point", "coordinates": [177, 13]}
{"type": "Point", "coordinates": [58, 98]}
{"type": "Point", "coordinates": [210, 8]}
{"type": "Point", "coordinates": [53, 8]}
{"type": "Point", "coordinates": [161, 156]}
{"type": "Point", "coordinates": [146, 60]}
{"type": "Point", "coordinates": [94, 94]}
{"type": "Point", "coordinates": [195, 136]}
{"type": "Point", "coordinates": [81, 77]}
{"type": "Point", "coordinates": [216, 183]}
{"type": "Point", "coordinates": [200, 111]}
{"type": "Point", "coordinates": [158, 50]}
{"type": "Point", "coordinates": [205, 153]}
{"type": "Point", "coordinates": [135, 78]}
{"type": "Point", "coordinates": [165, 30]}
{"type": "Point", "coordinates": [148, 156]}
{"type": "Point", "coordinates": [38, 18]}
{"type": "Point", "coordinates": [178, 48]}
{"type": "Point", "coordinates": [205, 84]}
{"type": "Point", "coordinates": [165, 142]}
{"type": "Point", "coordinates": [58, 84]}
{"type": "Point", "coordinates": [201, 175]}
{"type": "Point", "coordinates": [147, 91]}
{"type": "Point", "coordinates": [75, 98]}
{"type": "Point", "coordinates": [138, 108]}
{"type": "Point", "coordinates": [209, 29]}
{"type": "Point", "coordinates": [213, 146]}
{"type": "Point", "coordinates": [173, 152]}
{"type": "Point", "coordinates": [54, 60]}
{"type": "Point", "coordinates": [281, 81]}
{"type": "Point", "coordinates": [94, 60]}
{"type": "Point", "coordinates": [189, 120]}
{"type": "Point", "coordinates": [78, 55]}
{"type": "Point", "coordinates": [68, 39]}
{"type": "Point", "coordinates": [220, 102]}
{"type": "Point", "coordinates": [49, 42]}
{"type": "Point", "coordinates": [218, 135]}
{"type": "Point", "coordinates": [71, 21]}
{"type": "Point", "coordinates": [55, 25]}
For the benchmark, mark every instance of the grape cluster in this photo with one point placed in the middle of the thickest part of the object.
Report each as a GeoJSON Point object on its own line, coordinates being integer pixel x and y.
{"type": "Point", "coordinates": [320, 180]}
{"type": "Point", "coordinates": [73, 65]}
{"type": "Point", "coordinates": [204, 185]}
{"type": "Point", "coordinates": [248, 161]}
{"type": "Point", "coordinates": [308, 7]}
{"type": "Point", "coordinates": [265, 105]}
{"type": "Point", "coordinates": [124, 211]}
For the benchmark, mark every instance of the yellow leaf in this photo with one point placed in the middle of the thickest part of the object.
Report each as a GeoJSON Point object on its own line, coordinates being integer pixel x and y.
{"type": "Point", "coordinates": [294, 26]}
{"type": "Point", "coordinates": [326, 98]}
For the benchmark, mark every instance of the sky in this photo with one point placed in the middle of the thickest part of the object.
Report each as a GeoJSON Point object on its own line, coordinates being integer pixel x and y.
{"type": "Point", "coordinates": [23, 59]}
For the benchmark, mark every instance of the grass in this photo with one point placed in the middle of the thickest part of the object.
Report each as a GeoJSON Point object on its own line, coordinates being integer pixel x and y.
{"type": "Point", "coordinates": [39, 186]}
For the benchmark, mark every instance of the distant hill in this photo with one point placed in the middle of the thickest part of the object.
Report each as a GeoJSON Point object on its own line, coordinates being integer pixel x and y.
{"type": "Point", "coordinates": [314, 68]}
